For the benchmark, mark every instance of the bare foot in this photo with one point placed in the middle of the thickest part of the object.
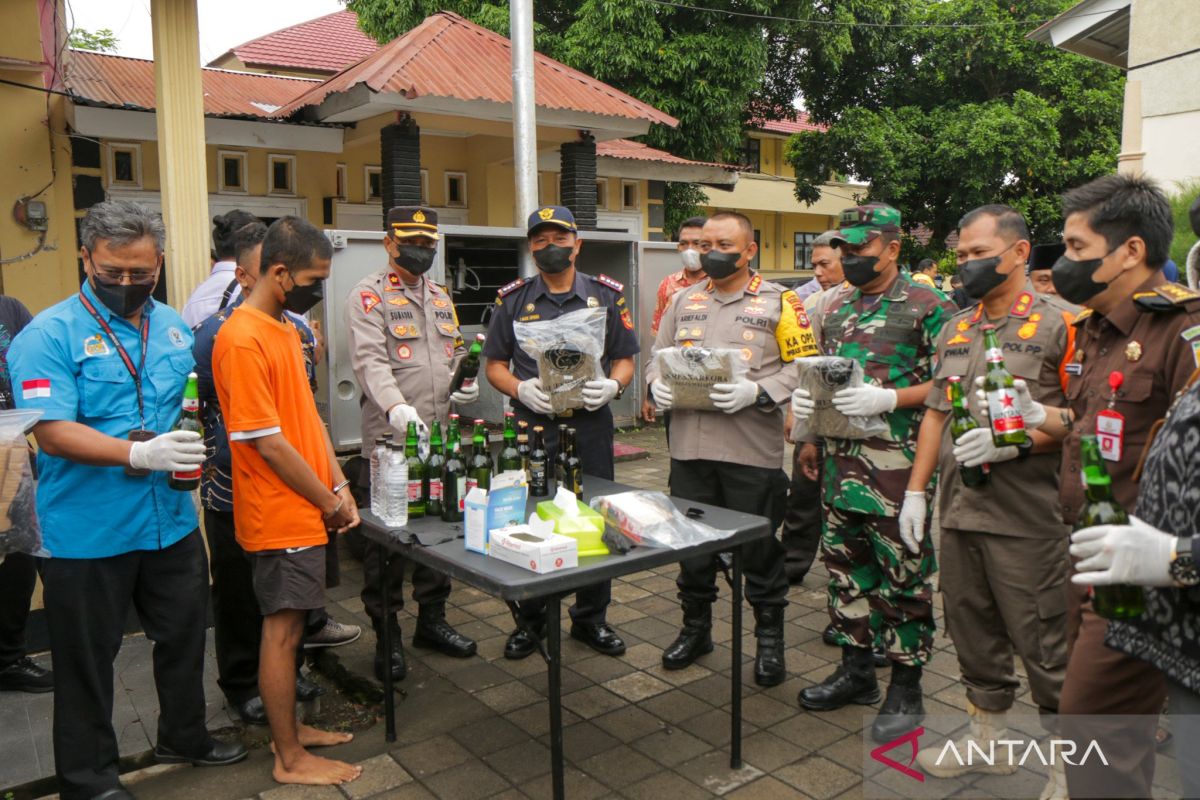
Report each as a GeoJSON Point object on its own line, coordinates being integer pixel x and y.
{"type": "Point", "coordinates": [314, 770]}
{"type": "Point", "coordinates": [315, 737]}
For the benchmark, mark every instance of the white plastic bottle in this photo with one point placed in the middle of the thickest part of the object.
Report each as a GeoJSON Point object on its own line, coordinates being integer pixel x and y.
{"type": "Point", "coordinates": [396, 484]}
{"type": "Point", "coordinates": [378, 455]}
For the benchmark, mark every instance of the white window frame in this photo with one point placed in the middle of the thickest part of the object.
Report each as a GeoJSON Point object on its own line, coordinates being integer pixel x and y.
{"type": "Point", "coordinates": [425, 187]}
{"type": "Point", "coordinates": [602, 194]}
{"type": "Point", "coordinates": [272, 159]}
{"type": "Point", "coordinates": [111, 162]}
{"type": "Point", "coordinates": [637, 195]}
{"type": "Point", "coordinates": [341, 182]}
{"type": "Point", "coordinates": [239, 155]}
{"type": "Point", "coordinates": [368, 171]}
{"type": "Point", "coordinates": [447, 175]}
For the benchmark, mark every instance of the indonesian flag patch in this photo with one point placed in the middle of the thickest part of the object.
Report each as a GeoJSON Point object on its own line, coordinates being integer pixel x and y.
{"type": "Point", "coordinates": [34, 389]}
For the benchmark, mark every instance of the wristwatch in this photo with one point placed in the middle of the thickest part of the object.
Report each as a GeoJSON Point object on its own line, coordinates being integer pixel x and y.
{"type": "Point", "coordinates": [1183, 569]}
{"type": "Point", "coordinates": [1024, 449]}
{"type": "Point", "coordinates": [764, 399]}
{"type": "Point", "coordinates": [621, 387]}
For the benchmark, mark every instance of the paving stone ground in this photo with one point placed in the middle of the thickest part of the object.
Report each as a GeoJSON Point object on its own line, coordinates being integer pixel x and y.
{"type": "Point", "coordinates": [478, 728]}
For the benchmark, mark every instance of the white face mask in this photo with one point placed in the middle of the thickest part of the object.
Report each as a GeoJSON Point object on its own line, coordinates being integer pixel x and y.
{"type": "Point", "coordinates": [691, 260]}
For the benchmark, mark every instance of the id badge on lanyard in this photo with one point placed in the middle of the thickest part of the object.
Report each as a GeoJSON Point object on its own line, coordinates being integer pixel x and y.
{"type": "Point", "coordinates": [1110, 424]}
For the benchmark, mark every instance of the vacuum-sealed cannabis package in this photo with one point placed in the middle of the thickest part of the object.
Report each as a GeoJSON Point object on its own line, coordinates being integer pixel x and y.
{"type": "Point", "coordinates": [20, 531]}
{"type": "Point", "coordinates": [568, 351]}
{"type": "Point", "coordinates": [691, 372]}
{"type": "Point", "coordinates": [823, 377]}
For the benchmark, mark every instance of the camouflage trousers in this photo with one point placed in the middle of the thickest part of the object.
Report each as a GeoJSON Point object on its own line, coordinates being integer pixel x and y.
{"type": "Point", "coordinates": [878, 590]}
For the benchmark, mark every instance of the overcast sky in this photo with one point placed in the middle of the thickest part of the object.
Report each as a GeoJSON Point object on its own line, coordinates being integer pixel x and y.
{"type": "Point", "coordinates": [223, 23]}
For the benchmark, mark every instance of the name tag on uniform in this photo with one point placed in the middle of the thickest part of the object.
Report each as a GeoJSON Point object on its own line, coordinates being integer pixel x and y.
{"type": "Point", "coordinates": [1073, 368]}
{"type": "Point", "coordinates": [1110, 433]}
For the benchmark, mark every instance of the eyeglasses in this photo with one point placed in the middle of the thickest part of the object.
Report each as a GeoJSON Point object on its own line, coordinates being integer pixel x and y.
{"type": "Point", "coordinates": [138, 276]}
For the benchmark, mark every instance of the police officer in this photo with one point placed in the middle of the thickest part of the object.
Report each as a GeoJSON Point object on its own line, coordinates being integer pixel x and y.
{"type": "Point", "coordinates": [733, 457]}
{"type": "Point", "coordinates": [879, 584]}
{"type": "Point", "coordinates": [107, 368]}
{"type": "Point", "coordinates": [404, 347]}
{"type": "Point", "coordinates": [1117, 232]}
{"type": "Point", "coordinates": [560, 288]}
{"type": "Point", "coordinates": [1003, 562]}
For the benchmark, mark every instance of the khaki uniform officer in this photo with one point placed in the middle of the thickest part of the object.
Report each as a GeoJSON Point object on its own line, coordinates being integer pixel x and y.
{"type": "Point", "coordinates": [1004, 547]}
{"type": "Point", "coordinates": [732, 457]}
{"type": "Point", "coordinates": [404, 347]}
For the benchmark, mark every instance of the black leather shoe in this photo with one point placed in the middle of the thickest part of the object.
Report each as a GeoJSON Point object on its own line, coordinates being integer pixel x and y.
{"type": "Point", "coordinates": [695, 638]}
{"type": "Point", "coordinates": [599, 637]}
{"type": "Point", "coordinates": [770, 668]}
{"type": "Point", "coordinates": [829, 636]}
{"type": "Point", "coordinates": [395, 658]}
{"type": "Point", "coordinates": [219, 754]}
{"type": "Point", "coordinates": [521, 644]}
{"type": "Point", "coordinates": [25, 676]}
{"type": "Point", "coordinates": [306, 690]}
{"type": "Point", "coordinates": [119, 793]}
{"type": "Point", "coordinates": [251, 712]}
{"type": "Point", "coordinates": [904, 709]}
{"type": "Point", "coordinates": [434, 633]}
{"type": "Point", "coordinates": [853, 682]}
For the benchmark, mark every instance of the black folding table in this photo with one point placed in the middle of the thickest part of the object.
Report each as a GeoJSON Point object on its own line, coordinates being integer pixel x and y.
{"type": "Point", "coordinates": [514, 584]}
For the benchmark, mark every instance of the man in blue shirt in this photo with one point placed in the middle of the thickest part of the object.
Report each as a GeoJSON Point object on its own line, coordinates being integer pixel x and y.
{"type": "Point", "coordinates": [107, 369]}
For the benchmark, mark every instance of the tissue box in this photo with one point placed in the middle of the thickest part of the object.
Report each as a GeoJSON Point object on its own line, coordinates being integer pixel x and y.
{"type": "Point", "coordinates": [486, 511]}
{"type": "Point", "coordinates": [475, 513]}
{"type": "Point", "coordinates": [587, 528]}
{"type": "Point", "coordinates": [539, 552]}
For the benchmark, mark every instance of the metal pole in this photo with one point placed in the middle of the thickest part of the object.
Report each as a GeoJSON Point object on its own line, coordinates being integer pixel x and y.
{"type": "Point", "coordinates": [524, 121]}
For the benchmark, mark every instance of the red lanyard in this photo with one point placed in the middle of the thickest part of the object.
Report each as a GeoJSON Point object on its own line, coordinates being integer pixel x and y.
{"type": "Point", "coordinates": [134, 372]}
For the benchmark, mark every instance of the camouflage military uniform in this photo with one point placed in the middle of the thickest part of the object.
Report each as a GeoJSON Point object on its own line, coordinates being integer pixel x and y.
{"type": "Point", "coordinates": [876, 585]}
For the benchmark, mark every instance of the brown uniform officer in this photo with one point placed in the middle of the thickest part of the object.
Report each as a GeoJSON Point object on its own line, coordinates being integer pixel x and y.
{"type": "Point", "coordinates": [1117, 233]}
{"type": "Point", "coordinates": [404, 346]}
{"type": "Point", "coordinates": [1003, 554]}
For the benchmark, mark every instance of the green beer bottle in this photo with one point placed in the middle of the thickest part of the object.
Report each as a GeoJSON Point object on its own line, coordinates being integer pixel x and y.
{"type": "Point", "coordinates": [1008, 426]}
{"type": "Point", "coordinates": [418, 474]}
{"type": "Point", "coordinates": [437, 458]}
{"type": "Point", "coordinates": [1111, 602]}
{"type": "Point", "coordinates": [189, 420]}
{"type": "Point", "coordinates": [961, 421]}
{"type": "Point", "coordinates": [523, 448]}
{"type": "Point", "coordinates": [468, 369]}
{"type": "Point", "coordinates": [574, 466]}
{"type": "Point", "coordinates": [454, 485]}
{"type": "Point", "coordinates": [479, 468]}
{"type": "Point", "coordinates": [510, 457]}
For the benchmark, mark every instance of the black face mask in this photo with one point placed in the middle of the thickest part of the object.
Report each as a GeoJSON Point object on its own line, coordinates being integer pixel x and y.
{"type": "Point", "coordinates": [719, 265]}
{"type": "Point", "coordinates": [1073, 279]}
{"type": "Point", "coordinates": [979, 275]}
{"type": "Point", "coordinates": [859, 270]}
{"type": "Point", "coordinates": [124, 300]}
{"type": "Point", "coordinates": [552, 258]}
{"type": "Point", "coordinates": [299, 299]}
{"type": "Point", "coordinates": [415, 260]}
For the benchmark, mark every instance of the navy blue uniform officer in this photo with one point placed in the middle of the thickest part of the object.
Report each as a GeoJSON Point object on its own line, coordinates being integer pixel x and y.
{"type": "Point", "coordinates": [558, 289]}
{"type": "Point", "coordinates": [107, 368]}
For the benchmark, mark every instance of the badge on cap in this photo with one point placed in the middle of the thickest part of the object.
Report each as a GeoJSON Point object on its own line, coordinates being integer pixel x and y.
{"type": "Point", "coordinates": [545, 213]}
{"type": "Point", "coordinates": [1133, 351]}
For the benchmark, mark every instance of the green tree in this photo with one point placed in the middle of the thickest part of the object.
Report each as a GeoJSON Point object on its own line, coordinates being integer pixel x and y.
{"type": "Point", "coordinates": [942, 119]}
{"type": "Point", "coordinates": [713, 72]}
{"type": "Point", "coordinates": [103, 40]}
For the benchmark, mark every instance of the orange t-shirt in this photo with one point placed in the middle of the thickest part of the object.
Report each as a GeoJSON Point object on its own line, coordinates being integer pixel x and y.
{"type": "Point", "coordinates": [262, 385]}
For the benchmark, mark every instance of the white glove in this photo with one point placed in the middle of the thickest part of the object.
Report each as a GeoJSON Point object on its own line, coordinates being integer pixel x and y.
{"type": "Point", "coordinates": [532, 396]}
{"type": "Point", "coordinates": [465, 395]}
{"type": "Point", "coordinates": [865, 401]}
{"type": "Point", "coordinates": [598, 393]}
{"type": "Point", "coordinates": [733, 397]}
{"type": "Point", "coordinates": [803, 405]}
{"type": "Point", "coordinates": [664, 398]}
{"type": "Point", "coordinates": [175, 451]}
{"type": "Point", "coordinates": [1032, 412]}
{"type": "Point", "coordinates": [912, 520]}
{"type": "Point", "coordinates": [1137, 554]}
{"type": "Point", "coordinates": [975, 447]}
{"type": "Point", "coordinates": [400, 415]}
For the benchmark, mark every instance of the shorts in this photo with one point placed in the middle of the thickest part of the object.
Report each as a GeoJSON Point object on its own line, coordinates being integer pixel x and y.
{"type": "Point", "coordinates": [286, 580]}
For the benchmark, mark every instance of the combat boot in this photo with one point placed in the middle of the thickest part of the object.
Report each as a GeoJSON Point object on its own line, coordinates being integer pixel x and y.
{"type": "Point", "coordinates": [769, 666]}
{"type": "Point", "coordinates": [435, 633]}
{"type": "Point", "coordinates": [903, 710]}
{"type": "Point", "coordinates": [852, 682]}
{"type": "Point", "coordinates": [396, 657]}
{"type": "Point", "coordinates": [986, 728]}
{"type": "Point", "coordinates": [694, 640]}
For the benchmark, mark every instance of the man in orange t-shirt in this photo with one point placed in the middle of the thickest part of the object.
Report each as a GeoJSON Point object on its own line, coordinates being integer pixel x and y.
{"type": "Point", "coordinates": [288, 489]}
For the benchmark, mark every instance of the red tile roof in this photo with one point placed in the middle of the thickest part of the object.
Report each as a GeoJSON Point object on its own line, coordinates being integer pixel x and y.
{"type": "Point", "coordinates": [788, 126]}
{"type": "Point", "coordinates": [326, 44]}
{"type": "Point", "coordinates": [636, 151]}
{"type": "Point", "coordinates": [447, 56]}
{"type": "Point", "coordinates": [122, 82]}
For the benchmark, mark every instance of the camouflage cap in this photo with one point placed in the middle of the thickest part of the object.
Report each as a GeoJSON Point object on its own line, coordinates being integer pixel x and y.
{"type": "Point", "coordinates": [861, 224]}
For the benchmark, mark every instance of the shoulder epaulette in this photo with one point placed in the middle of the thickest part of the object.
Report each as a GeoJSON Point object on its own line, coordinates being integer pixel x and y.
{"type": "Point", "coordinates": [508, 289]}
{"type": "Point", "coordinates": [611, 283]}
{"type": "Point", "coordinates": [1082, 315]}
{"type": "Point", "coordinates": [755, 283]}
{"type": "Point", "coordinates": [1163, 299]}
{"type": "Point", "coordinates": [1022, 306]}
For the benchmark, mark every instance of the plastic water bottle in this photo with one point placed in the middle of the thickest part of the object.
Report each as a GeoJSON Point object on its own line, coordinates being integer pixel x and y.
{"type": "Point", "coordinates": [395, 483]}
{"type": "Point", "coordinates": [378, 455]}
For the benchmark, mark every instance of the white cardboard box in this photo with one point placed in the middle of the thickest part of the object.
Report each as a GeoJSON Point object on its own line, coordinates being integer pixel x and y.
{"type": "Point", "coordinates": [539, 552]}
